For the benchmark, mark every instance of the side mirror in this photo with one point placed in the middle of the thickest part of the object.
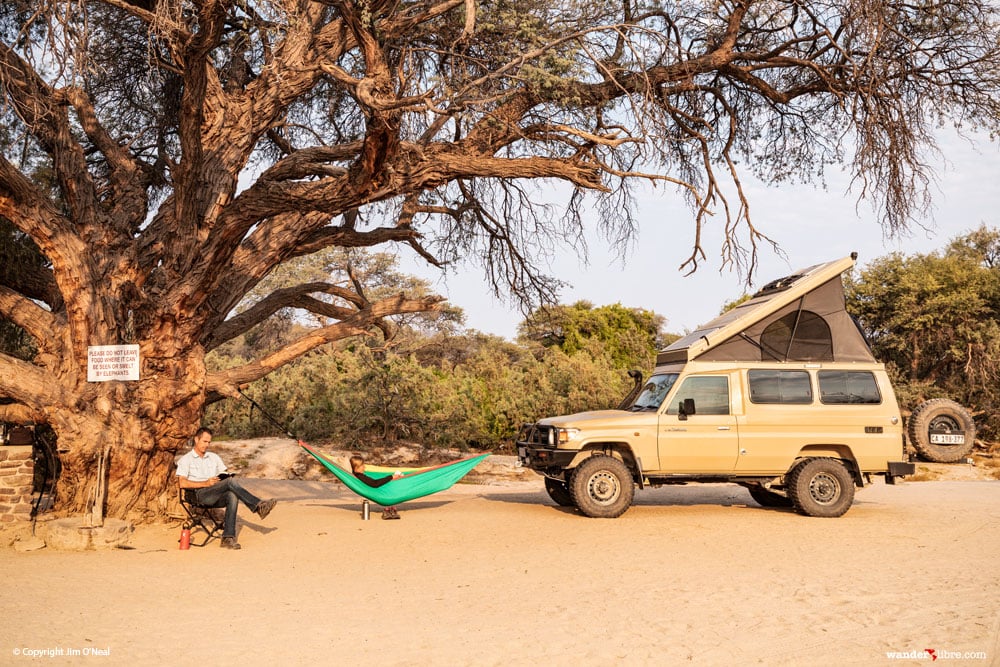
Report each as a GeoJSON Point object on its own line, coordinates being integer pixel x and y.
{"type": "Point", "coordinates": [685, 408]}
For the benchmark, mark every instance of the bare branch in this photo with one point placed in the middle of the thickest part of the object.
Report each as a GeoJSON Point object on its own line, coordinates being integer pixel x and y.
{"type": "Point", "coordinates": [128, 177]}
{"type": "Point", "coordinates": [27, 383]}
{"type": "Point", "coordinates": [19, 413]}
{"type": "Point", "coordinates": [35, 103]}
{"type": "Point", "coordinates": [283, 298]}
{"type": "Point", "coordinates": [28, 315]}
{"type": "Point", "coordinates": [225, 382]}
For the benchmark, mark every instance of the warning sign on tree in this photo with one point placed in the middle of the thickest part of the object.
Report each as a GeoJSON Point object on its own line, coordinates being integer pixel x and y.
{"type": "Point", "coordinates": [112, 362]}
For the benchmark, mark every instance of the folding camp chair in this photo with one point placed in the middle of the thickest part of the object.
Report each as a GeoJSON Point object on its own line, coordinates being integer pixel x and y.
{"type": "Point", "coordinates": [209, 520]}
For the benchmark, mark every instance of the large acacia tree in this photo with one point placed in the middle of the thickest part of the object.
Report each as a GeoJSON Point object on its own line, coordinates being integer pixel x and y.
{"type": "Point", "coordinates": [165, 155]}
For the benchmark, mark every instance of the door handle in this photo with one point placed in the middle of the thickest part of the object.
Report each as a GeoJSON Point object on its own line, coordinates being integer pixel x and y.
{"type": "Point", "coordinates": [722, 428]}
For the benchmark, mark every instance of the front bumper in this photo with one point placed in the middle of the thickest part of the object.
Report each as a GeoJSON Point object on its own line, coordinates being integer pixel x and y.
{"type": "Point", "coordinates": [544, 458]}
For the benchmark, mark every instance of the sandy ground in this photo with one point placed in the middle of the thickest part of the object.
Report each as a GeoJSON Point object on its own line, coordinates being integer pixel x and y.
{"type": "Point", "coordinates": [498, 575]}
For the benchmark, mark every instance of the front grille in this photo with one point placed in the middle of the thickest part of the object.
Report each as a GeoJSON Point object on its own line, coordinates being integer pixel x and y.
{"type": "Point", "coordinates": [534, 434]}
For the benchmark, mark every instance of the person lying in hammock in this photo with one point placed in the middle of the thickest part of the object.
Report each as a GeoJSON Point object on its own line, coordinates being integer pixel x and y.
{"type": "Point", "coordinates": [358, 468]}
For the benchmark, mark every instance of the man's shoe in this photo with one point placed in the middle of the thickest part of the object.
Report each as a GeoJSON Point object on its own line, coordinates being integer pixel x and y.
{"type": "Point", "coordinates": [264, 507]}
{"type": "Point", "coordinates": [230, 543]}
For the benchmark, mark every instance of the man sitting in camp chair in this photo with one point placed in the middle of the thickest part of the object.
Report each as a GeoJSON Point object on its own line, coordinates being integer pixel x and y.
{"type": "Point", "coordinates": [205, 473]}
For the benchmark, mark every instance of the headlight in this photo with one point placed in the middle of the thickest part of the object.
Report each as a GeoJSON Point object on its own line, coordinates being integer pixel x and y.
{"type": "Point", "coordinates": [561, 436]}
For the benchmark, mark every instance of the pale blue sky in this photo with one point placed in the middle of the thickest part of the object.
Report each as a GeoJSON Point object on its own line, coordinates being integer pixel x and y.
{"type": "Point", "coordinates": [811, 225]}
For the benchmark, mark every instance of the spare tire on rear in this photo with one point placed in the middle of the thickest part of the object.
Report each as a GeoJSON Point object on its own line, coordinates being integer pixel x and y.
{"type": "Point", "coordinates": [942, 431]}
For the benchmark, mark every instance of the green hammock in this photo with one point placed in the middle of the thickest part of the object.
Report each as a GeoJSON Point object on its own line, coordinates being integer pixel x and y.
{"type": "Point", "coordinates": [415, 482]}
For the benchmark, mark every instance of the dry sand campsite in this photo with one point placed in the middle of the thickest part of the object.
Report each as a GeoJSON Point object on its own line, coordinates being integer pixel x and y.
{"type": "Point", "coordinates": [491, 572]}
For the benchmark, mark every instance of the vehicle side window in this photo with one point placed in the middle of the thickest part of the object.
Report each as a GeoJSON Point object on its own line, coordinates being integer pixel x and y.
{"type": "Point", "coordinates": [783, 387]}
{"type": "Point", "coordinates": [848, 387]}
{"type": "Point", "coordinates": [710, 394]}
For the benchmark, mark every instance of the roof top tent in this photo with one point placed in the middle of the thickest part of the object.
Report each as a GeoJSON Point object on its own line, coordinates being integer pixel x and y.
{"type": "Point", "coordinates": [801, 317]}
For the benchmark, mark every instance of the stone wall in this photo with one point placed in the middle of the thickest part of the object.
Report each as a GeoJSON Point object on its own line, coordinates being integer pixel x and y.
{"type": "Point", "coordinates": [17, 469]}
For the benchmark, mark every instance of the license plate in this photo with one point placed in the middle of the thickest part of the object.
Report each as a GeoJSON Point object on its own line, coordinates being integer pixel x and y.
{"type": "Point", "coordinates": [947, 439]}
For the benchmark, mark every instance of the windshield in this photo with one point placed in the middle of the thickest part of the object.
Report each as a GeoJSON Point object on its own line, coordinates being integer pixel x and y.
{"type": "Point", "coordinates": [654, 391]}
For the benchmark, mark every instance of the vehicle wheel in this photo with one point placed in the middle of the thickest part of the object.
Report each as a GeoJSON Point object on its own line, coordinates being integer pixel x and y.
{"type": "Point", "coordinates": [821, 487]}
{"type": "Point", "coordinates": [602, 487]}
{"type": "Point", "coordinates": [947, 423]}
{"type": "Point", "coordinates": [767, 498]}
{"type": "Point", "coordinates": [558, 491]}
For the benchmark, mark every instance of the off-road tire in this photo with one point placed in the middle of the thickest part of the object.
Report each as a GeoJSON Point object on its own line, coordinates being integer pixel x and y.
{"type": "Point", "coordinates": [767, 498]}
{"type": "Point", "coordinates": [602, 487]}
{"type": "Point", "coordinates": [820, 487]}
{"type": "Point", "coordinates": [559, 492]}
{"type": "Point", "coordinates": [941, 413]}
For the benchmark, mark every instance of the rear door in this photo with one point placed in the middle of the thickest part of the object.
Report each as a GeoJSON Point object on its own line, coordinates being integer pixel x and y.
{"type": "Point", "coordinates": [781, 417]}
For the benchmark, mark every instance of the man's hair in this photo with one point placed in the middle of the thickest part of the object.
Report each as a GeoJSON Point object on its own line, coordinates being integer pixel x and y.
{"type": "Point", "coordinates": [356, 461]}
{"type": "Point", "coordinates": [203, 429]}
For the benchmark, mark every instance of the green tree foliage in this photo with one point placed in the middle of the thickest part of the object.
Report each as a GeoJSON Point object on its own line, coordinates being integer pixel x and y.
{"type": "Point", "coordinates": [356, 396]}
{"type": "Point", "coordinates": [359, 388]}
{"type": "Point", "coordinates": [629, 336]}
{"type": "Point", "coordinates": [935, 321]}
{"type": "Point", "coordinates": [446, 388]}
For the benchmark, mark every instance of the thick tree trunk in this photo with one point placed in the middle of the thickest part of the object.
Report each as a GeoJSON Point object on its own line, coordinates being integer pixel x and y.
{"type": "Point", "coordinates": [136, 428]}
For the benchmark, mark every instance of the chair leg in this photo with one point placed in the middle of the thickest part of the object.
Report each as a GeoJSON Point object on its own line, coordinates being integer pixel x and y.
{"type": "Point", "coordinates": [206, 523]}
{"type": "Point", "coordinates": [209, 534]}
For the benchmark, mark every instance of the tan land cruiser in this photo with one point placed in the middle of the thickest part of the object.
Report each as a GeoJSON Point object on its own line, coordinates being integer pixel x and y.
{"type": "Point", "coordinates": [781, 395]}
